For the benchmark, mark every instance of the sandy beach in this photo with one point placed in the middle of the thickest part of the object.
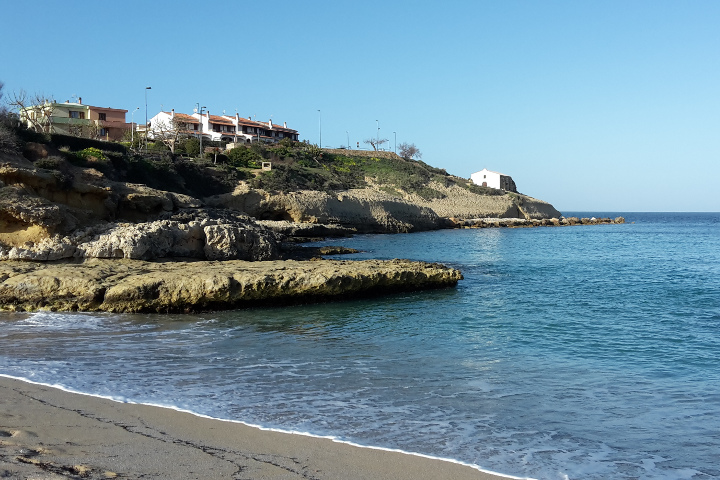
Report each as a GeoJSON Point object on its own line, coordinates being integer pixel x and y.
{"type": "Point", "coordinates": [47, 433]}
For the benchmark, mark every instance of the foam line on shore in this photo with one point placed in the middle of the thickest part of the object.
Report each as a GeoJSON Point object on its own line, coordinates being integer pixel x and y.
{"type": "Point", "coordinates": [269, 429]}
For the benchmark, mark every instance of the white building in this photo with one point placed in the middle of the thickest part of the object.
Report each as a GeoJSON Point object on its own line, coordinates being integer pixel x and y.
{"type": "Point", "coordinates": [488, 178]}
{"type": "Point", "coordinates": [222, 128]}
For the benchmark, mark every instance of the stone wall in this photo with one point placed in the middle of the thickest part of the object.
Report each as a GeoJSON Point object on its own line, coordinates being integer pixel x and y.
{"type": "Point", "coordinates": [507, 184]}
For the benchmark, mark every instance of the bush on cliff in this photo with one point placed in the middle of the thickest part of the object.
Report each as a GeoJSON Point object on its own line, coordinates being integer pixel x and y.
{"type": "Point", "coordinates": [288, 178]}
{"type": "Point", "coordinates": [244, 157]}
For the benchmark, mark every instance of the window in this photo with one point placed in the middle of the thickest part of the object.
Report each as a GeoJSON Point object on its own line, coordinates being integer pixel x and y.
{"type": "Point", "coordinates": [77, 114]}
{"type": "Point", "coordinates": [103, 131]}
{"type": "Point", "coordinates": [102, 116]}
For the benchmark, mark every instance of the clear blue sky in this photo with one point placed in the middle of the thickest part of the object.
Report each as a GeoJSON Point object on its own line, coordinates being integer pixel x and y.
{"type": "Point", "coordinates": [590, 105]}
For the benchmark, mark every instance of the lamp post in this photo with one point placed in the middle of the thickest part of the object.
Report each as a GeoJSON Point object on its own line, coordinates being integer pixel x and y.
{"type": "Point", "coordinates": [395, 133]}
{"type": "Point", "coordinates": [320, 127]}
{"type": "Point", "coordinates": [146, 125]}
{"type": "Point", "coordinates": [377, 136]}
{"type": "Point", "coordinates": [348, 139]}
{"type": "Point", "coordinates": [132, 126]}
{"type": "Point", "coordinates": [201, 125]}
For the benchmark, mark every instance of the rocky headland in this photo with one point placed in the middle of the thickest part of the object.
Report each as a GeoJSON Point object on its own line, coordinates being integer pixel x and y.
{"type": "Point", "coordinates": [79, 237]}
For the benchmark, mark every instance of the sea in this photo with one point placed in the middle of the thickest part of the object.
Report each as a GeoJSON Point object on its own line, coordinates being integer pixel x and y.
{"type": "Point", "coordinates": [583, 352]}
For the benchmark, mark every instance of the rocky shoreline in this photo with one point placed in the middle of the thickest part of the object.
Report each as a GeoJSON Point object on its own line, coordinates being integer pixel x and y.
{"type": "Point", "coordinates": [74, 238]}
{"type": "Point", "coordinates": [191, 286]}
{"type": "Point", "coordinates": [530, 222]}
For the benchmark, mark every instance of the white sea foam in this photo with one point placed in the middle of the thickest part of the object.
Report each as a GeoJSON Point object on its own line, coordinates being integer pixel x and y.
{"type": "Point", "coordinates": [335, 439]}
{"type": "Point", "coordinates": [549, 360]}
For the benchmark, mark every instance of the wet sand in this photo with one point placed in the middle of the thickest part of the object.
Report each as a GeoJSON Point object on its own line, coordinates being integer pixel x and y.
{"type": "Point", "coordinates": [47, 434]}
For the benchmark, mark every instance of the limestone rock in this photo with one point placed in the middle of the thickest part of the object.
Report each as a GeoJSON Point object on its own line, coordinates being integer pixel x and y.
{"type": "Point", "coordinates": [205, 239]}
{"type": "Point", "coordinates": [352, 209]}
{"type": "Point", "coordinates": [138, 286]}
{"type": "Point", "coordinates": [293, 229]}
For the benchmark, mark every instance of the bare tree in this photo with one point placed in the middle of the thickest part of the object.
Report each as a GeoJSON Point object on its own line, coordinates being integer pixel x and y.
{"type": "Point", "coordinates": [34, 110]}
{"type": "Point", "coordinates": [92, 130]}
{"type": "Point", "coordinates": [375, 143]}
{"type": "Point", "coordinates": [409, 150]}
{"type": "Point", "coordinates": [170, 132]}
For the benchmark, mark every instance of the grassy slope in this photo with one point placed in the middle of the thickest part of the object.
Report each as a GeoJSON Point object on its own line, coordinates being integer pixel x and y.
{"type": "Point", "coordinates": [296, 166]}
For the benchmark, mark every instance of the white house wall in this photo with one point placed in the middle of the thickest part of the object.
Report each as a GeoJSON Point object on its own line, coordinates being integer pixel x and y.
{"type": "Point", "coordinates": [491, 178]}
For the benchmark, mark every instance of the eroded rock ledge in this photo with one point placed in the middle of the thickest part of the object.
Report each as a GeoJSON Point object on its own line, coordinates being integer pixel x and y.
{"type": "Point", "coordinates": [170, 286]}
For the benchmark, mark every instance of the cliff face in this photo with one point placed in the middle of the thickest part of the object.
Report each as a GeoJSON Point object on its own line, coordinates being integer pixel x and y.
{"type": "Point", "coordinates": [363, 210]}
{"type": "Point", "coordinates": [375, 211]}
{"type": "Point", "coordinates": [44, 217]}
{"type": "Point", "coordinates": [79, 213]}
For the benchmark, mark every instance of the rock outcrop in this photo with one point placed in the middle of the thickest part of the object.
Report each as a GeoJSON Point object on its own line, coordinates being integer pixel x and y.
{"type": "Point", "coordinates": [70, 212]}
{"type": "Point", "coordinates": [138, 286]}
{"type": "Point", "coordinates": [239, 238]}
{"type": "Point", "coordinates": [371, 210]}
{"type": "Point", "coordinates": [364, 210]}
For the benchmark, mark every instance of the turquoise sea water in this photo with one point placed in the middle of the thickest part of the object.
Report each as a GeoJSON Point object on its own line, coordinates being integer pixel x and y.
{"type": "Point", "coordinates": [587, 352]}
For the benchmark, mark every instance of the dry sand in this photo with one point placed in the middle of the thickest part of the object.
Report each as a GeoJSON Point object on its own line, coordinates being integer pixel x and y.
{"type": "Point", "coordinates": [47, 433]}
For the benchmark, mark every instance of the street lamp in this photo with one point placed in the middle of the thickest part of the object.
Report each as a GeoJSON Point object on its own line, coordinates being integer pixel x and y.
{"type": "Point", "coordinates": [395, 133]}
{"type": "Point", "coordinates": [132, 125]}
{"type": "Point", "coordinates": [348, 139]}
{"type": "Point", "coordinates": [201, 125]}
{"type": "Point", "coordinates": [146, 125]}
{"type": "Point", "coordinates": [320, 126]}
{"type": "Point", "coordinates": [377, 137]}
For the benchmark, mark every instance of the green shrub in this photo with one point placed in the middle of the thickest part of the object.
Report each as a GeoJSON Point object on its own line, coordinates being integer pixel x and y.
{"type": "Point", "coordinates": [192, 147]}
{"type": "Point", "coordinates": [49, 163]}
{"type": "Point", "coordinates": [479, 190]}
{"type": "Point", "coordinates": [9, 141]}
{"type": "Point", "coordinates": [427, 193]}
{"type": "Point", "coordinates": [284, 178]}
{"type": "Point", "coordinates": [91, 154]}
{"type": "Point", "coordinates": [79, 143]}
{"type": "Point", "coordinates": [244, 157]}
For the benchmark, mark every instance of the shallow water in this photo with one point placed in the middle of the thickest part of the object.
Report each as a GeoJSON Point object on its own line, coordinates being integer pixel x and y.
{"type": "Point", "coordinates": [574, 352]}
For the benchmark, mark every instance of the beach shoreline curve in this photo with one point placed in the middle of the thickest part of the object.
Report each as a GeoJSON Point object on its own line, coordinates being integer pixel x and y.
{"type": "Point", "coordinates": [102, 437]}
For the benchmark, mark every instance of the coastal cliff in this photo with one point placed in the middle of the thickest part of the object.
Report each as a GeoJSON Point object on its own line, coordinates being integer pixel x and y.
{"type": "Point", "coordinates": [79, 231]}
{"type": "Point", "coordinates": [52, 209]}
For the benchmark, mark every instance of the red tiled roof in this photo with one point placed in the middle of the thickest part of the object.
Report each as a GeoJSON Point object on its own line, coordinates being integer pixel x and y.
{"type": "Point", "coordinates": [230, 120]}
{"type": "Point", "coordinates": [220, 120]}
{"type": "Point", "coordinates": [106, 108]}
{"type": "Point", "coordinates": [245, 121]}
{"type": "Point", "coordinates": [187, 118]}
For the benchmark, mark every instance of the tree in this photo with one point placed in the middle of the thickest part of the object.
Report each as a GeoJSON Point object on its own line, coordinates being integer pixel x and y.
{"type": "Point", "coordinates": [375, 143]}
{"type": "Point", "coordinates": [409, 150]}
{"type": "Point", "coordinates": [34, 110]}
{"type": "Point", "coordinates": [85, 129]}
{"type": "Point", "coordinates": [170, 132]}
{"type": "Point", "coordinates": [242, 156]}
{"type": "Point", "coordinates": [192, 146]}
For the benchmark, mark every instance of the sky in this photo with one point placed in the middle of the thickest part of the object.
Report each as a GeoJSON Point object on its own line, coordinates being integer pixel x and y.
{"type": "Point", "coordinates": [590, 105]}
